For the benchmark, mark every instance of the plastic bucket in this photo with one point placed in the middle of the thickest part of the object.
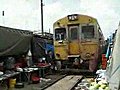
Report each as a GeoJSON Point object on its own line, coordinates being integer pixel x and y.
{"type": "Point", "coordinates": [12, 83]}
{"type": "Point", "coordinates": [104, 61]}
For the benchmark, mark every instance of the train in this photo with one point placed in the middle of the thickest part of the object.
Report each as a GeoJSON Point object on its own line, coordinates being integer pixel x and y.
{"type": "Point", "coordinates": [78, 42]}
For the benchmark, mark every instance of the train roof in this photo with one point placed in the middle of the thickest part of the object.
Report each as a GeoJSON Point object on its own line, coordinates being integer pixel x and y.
{"type": "Point", "coordinates": [79, 17]}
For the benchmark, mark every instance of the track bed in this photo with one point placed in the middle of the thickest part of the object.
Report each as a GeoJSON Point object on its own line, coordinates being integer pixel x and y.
{"type": "Point", "coordinates": [66, 83]}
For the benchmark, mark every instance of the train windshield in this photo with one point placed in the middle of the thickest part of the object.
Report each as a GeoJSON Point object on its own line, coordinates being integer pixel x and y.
{"type": "Point", "coordinates": [87, 32]}
{"type": "Point", "coordinates": [60, 34]}
{"type": "Point", "coordinates": [73, 32]}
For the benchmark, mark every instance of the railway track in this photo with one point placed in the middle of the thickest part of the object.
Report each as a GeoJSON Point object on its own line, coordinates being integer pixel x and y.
{"type": "Point", "coordinates": [66, 83]}
{"type": "Point", "coordinates": [65, 80]}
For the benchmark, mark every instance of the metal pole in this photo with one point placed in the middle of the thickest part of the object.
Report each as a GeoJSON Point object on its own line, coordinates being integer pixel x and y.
{"type": "Point", "coordinates": [3, 14]}
{"type": "Point", "coordinates": [42, 17]}
{"type": "Point", "coordinates": [49, 30]}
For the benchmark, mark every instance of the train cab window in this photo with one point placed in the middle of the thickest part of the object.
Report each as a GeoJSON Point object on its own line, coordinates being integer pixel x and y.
{"type": "Point", "coordinates": [60, 34]}
{"type": "Point", "coordinates": [87, 32]}
{"type": "Point", "coordinates": [73, 32]}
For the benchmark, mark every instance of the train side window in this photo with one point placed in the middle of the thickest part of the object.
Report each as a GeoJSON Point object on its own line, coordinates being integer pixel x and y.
{"type": "Point", "coordinates": [88, 32]}
{"type": "Point", "coordinates": [60, 34]}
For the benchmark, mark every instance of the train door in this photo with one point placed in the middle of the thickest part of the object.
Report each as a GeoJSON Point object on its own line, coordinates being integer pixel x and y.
{"type": "Point", "coordinates": [73, 34]}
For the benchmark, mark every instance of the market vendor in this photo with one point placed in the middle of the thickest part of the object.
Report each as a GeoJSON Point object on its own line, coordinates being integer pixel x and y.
{"type": "Point", "coordinates": [9, 64]}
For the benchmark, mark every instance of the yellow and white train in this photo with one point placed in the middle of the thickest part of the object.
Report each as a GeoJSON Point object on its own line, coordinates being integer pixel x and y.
{"type": "Point", "coordinates": [78, 41]}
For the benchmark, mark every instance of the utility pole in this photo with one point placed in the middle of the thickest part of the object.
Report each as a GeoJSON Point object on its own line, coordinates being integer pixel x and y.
{"type": "Point", "coordinates": [49, 30]}
{"type": "Point", "coordinates": [42, 17]}
{"type": "Point", "coordinates": [3, 14]}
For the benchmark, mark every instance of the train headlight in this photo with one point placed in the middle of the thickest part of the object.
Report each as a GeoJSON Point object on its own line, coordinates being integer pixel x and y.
{"type": "Point", "coordinates": [87, 55]}
{"type": "Point", "coordinates": [57, 55]}
{"type": "Point", "coordinates": [60, 41]}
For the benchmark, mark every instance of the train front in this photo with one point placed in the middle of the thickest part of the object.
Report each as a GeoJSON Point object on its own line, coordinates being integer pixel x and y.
{"type": "Point", "coordinates": [77, 41]}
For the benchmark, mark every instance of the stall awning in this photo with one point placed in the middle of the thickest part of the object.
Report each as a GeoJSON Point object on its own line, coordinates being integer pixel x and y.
{"type": "Point", "coordinates": [14, 41]}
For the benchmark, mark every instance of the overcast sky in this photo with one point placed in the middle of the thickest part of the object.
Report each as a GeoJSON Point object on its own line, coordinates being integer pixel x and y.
{"type": "Point", "coordinates": [25, 14]}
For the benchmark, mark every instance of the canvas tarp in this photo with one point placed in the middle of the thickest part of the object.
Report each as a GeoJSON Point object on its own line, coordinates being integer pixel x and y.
{"type": "Point", "coordinates": [38, 47]}
{"type": "Point", "coordinates": [113, 70]}
{"type": "Point", "coordinates": [14, 41]}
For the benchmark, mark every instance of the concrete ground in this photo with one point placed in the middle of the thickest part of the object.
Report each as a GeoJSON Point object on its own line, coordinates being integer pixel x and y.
{"type": "Point", "coordinates": [50, 79]}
